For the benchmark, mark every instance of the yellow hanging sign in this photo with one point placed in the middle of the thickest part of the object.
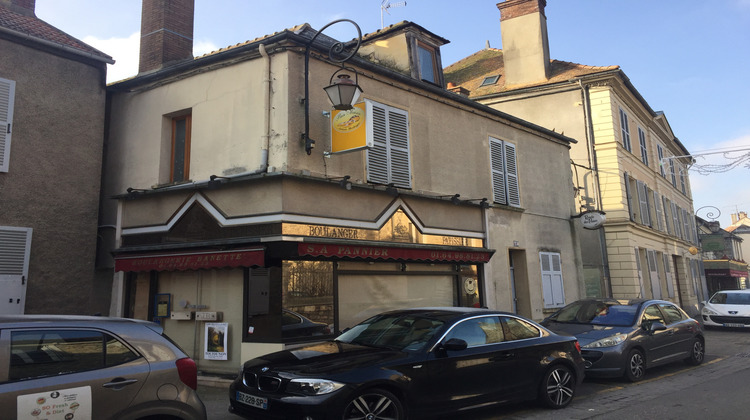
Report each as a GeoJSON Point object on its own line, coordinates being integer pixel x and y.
{"type": "Point", "coordinates": [349, 130]}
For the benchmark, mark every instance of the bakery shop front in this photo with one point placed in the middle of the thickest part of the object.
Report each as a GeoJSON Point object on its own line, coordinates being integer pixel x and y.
{"type": "Point", "coordinates": [294, 282]}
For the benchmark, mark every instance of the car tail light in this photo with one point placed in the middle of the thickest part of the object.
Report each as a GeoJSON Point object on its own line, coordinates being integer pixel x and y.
{"type": "Point", "coordinates": [188, 371]}
{"type": "Point", "coordinates": [578, 346]}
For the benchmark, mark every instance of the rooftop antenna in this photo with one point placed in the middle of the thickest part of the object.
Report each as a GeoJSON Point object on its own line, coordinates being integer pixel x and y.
{"type": "Point", "coordinates": [385, 5]}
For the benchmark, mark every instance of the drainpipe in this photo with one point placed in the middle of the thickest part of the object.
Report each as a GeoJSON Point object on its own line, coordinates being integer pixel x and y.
{"type": "Point", "coordinates": [585, 97]}
{"type": "Point", "coordinates": [266, 109]}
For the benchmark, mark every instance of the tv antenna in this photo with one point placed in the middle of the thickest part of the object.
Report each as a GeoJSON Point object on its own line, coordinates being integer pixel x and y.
{"type": "Point", "coordinates": [385, 5]}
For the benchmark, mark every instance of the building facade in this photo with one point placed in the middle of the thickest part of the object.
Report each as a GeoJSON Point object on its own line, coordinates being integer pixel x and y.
{"type": "Point", "coordinates": [229, 219]}
{"type": "Point", "coordinates": [52, 99]}
{"type": "Point", "coordinates": [627, 165]}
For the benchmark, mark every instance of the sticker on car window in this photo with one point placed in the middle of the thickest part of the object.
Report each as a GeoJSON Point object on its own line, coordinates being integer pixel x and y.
{"type": "Point", "coordinates": [63, 404]}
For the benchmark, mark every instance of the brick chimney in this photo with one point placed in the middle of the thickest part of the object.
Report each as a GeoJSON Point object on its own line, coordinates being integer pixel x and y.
{"type": "Point", "coordinates": [523, 28]}
{"type": "Point", "coordinates": [22, 7]}
{"type": "Point", "coordinates": [166, 33]}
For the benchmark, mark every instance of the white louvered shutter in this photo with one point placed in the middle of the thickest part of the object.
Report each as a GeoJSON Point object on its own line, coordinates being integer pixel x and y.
{"type": "Point", "coordinates": [659, 213]}
{"type": "Point", "coordinates": [668, 275]}
{"type": "Point", "coordinates": [511, 174]}
{"type": "Point", "coordinates": [7, 95]}
{"type": "Point", "coordinates": [398, 136]}
{"type": "Point", "coordinates": [640, 272]}
{"type": "Point", "coordinates": [498, 171]}
{"type": "Point", "coordinates": [643, 201]}
{"type": "Point", "coordinates": [15, 249]}
{"type": "Point", "coordinates": [388, 160]}
{"type": "Point", "coordinates": [653, 272]}
{"type": "Point", "coordinates": [552, 280]}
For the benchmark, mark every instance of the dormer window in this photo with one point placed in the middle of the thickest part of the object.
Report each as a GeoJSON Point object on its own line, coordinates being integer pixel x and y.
{"type": "Point", "coordinates": [427, 63]}
{"type": "Point", "coordinates": [490, 80]}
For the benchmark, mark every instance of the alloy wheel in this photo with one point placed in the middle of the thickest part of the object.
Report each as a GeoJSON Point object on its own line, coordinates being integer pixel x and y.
{"type": "Point", "coordinates": [374, 405]}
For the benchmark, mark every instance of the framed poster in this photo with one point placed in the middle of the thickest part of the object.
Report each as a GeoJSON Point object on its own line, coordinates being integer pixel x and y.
{"type": "Point", "coordinates": [162, 305]}
{"type": "Point", "coordinates": [215, 342]}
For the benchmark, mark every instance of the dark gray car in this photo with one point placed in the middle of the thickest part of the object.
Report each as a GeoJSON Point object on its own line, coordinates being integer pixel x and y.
{"type": "Point", "coordinates": [626, 337]}
{"type": "Point", "coordinates": [77, 367]}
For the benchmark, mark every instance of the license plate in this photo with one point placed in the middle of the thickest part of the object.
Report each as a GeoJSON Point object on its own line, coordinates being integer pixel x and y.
{"type": "Point", "coordinates": [252, 400]}
{"type": "Point", "coordinates": [735, 325]}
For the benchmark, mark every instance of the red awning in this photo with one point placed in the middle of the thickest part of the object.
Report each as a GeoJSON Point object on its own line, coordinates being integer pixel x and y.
{"type": "Point", "coordinates": [392, 253]}
{"type": "Point", "coordinates": [195, 260]}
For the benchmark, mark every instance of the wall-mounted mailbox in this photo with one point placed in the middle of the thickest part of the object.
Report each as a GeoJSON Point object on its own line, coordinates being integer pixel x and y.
{"type": "Point", "coordinates": [208, 316]}
{"type": "Point", "coordinates": [182, 316]}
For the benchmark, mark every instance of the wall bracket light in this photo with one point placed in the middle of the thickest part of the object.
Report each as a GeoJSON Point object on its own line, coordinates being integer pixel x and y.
{"type": "Point", "coordinates": [344, 92]}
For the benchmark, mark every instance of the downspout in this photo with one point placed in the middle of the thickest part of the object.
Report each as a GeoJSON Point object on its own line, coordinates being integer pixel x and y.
{"type": "Point", "coordinates": [585, 96]}
{"type": "Point", "coordinates": [266, 110]}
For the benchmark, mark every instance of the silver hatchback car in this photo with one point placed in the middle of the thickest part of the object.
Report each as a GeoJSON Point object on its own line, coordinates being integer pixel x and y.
{"type": "Point", "coordinates": [80, 367]}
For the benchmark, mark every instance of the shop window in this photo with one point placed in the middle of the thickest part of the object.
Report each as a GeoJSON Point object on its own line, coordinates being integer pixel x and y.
{"type": "Point", "coordinates": [307, 299]}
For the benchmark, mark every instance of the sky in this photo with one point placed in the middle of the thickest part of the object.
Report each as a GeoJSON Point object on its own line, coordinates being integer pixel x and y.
{"type": "Point", "coordinates": [687, 58]}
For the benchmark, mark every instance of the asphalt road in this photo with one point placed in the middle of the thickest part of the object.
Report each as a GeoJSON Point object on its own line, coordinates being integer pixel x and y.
{"type": "Point", "coordinates": [716, 389]}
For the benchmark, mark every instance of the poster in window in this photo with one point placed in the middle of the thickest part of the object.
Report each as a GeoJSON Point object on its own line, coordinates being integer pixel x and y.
{"type": "Point", "coordinates": [216, 341]}
{"type": "Point", "coordinates": [163, 301]}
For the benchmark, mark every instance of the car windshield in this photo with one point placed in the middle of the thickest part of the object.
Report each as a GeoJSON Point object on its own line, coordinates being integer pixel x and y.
{"type": "Point", "coordinates": [610, 313]}
{"type": "Point", "coordinates": [729, 298]}
{"type": "Point", "coordinates": [409, 332]}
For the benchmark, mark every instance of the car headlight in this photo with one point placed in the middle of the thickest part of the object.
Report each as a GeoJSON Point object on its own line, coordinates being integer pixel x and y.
{"type": "Point", "coordinates": [610, 341]}
{"type": "Point", "coordinates": [707, 311]}
{"type": "Point", "coordinates": [312, 386]}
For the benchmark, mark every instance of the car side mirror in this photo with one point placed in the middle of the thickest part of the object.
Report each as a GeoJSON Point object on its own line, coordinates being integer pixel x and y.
{"type": "Point", "coordinates": [455, 344]}
{"type": "Point", "coordinates": [656, 326]}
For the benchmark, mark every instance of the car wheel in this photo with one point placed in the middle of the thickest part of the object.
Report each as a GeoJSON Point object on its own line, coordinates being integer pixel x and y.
{"type": "Point", "coordinates": [558, 387]}
{"type": "Point", "coordinates": [635, 368]}
{"type": "Point", "coordinates": [374, 404]}
{"type": "Point", "coordinates": [697, 353]}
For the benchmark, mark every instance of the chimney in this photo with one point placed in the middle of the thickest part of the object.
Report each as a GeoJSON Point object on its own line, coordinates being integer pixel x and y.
{"type": "Point", "coordinates": [523, 29]}
{"type": "Point", "coordinates": [166, 33]}
{"type": "Point", "coordinates": [736, 217]}
{"type": "Point", "coordinates": [457, 90]}
{"type": "Point", "coordinates": [22, 7]}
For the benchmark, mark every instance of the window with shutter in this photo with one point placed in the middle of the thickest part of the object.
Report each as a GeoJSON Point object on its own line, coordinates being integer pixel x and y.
{"type": "Point", "coordinates": [676, 222]}
{"type": "Point", "coordinates": [15, 249]}
{"type": "Point", "coordinates": [388, 160]}
{"type": "Point", "coordinates": [668, 275]}
{"type": "Point", "coordinates": [660, 152]}
{"type": "Point", "coordinates": [629, 197]}
{"type": "Point", "coordinates": [671, 171]}
{"type": "Point", "coordinates": [625, 130]}
{"type": "Point", "coordinates": [667, 214]}
{"type": "Point", "coordinates": [552, 280]}
{"type": "Point", "coordinates": [653, 272]}
{"type": "Point", "coordinates": [643, 202]}
{"type": "Point", "coordinates": [640, 271]}
{"type": "Point", "coordinates": [505, 186]}
{"type": "Point", "coordinates": [7, 97]}
{"type": "Point", "coordinates": [658, 211]}
{"type": "Point", "coordinates": [644, 149]}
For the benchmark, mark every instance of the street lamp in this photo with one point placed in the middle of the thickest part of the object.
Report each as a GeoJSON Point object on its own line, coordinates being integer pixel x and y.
{"type": "Point", "coordinates": [343, 92]}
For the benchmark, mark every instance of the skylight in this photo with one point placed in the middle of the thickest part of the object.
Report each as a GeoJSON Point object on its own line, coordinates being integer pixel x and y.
{"type": "Point", "coordinates": [490, 80]}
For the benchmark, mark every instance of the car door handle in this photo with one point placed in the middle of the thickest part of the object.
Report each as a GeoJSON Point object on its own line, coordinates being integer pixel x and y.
{"type": "Point", "coordinates": [119, 383]}
{"type": "Point", "coordinates": [504, 356]}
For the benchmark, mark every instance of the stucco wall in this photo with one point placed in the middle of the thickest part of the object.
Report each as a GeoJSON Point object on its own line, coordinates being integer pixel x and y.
{"type": "Point", "coordinates": [53, 180]}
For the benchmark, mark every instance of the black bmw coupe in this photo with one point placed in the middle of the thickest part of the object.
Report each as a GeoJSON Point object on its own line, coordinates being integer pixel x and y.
{"type": "Point", "coordinates": [415, 363]}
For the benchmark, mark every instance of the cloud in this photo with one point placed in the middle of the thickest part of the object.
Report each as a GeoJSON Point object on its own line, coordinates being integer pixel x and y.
{"type": "Point", "coordinates": [123, 50]}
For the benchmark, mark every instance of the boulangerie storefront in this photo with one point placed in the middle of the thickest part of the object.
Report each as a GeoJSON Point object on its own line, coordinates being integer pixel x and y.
{"type": "Point", "coordinates": [293, 281]}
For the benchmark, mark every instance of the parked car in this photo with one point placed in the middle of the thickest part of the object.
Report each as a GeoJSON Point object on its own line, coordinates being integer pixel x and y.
{"type": "Point", "coordinates": [93, 368]}
{"type": "Point", "coordinates": [627, 337]}
{"type": "Point", "coordinates": [727, 308]}
{"type": "Point", "coordinates": [414, 363]}
{"type": "Point", "coordinates": [294, 325]}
